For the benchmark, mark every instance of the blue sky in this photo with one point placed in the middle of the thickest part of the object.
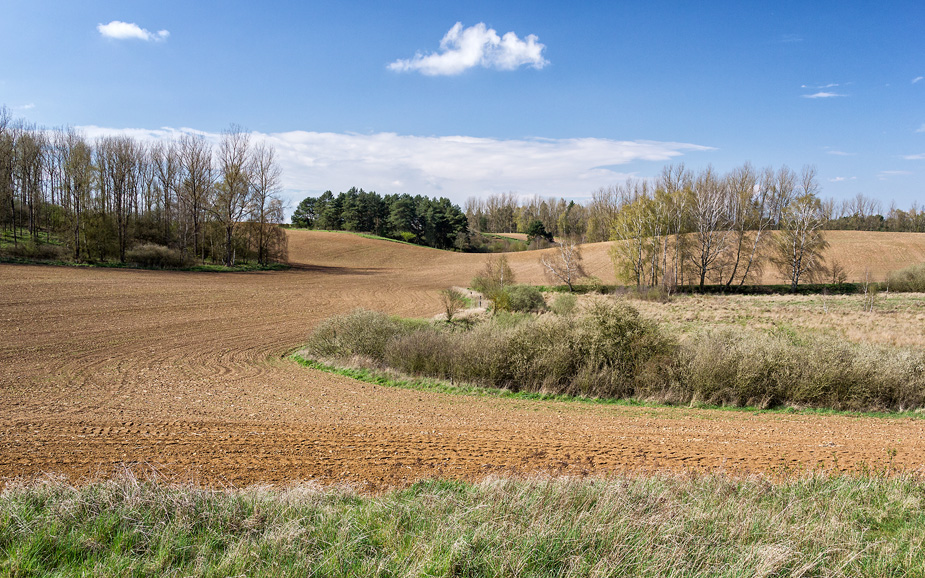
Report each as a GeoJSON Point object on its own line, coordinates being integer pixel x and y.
{"type": "Point", "coordinates": [577, 97]}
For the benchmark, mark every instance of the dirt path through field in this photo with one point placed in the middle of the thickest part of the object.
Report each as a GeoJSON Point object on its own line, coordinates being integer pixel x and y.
{"type": "Point", "coordinates": [186, 372]}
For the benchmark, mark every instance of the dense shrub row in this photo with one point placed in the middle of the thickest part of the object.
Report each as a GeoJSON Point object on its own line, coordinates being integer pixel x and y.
{"type": "Point", "coordinates": [910, 279]}
{"type": "Point", "coordinates": [610, 351]}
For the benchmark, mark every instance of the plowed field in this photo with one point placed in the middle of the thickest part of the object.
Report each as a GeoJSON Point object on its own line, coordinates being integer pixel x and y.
{"type": "Point", "coordinates": [186, 373]}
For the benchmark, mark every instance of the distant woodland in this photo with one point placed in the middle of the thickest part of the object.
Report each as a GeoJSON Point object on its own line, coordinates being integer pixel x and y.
{"type": "Point", "coordinates": [695, 228]}
{"type": "Point", "coordinates": [420, 220]}
{"type": "Point", "coordinates": [119, 199]}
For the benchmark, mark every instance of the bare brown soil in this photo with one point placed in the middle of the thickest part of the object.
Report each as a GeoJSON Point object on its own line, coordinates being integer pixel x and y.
{"type": "Point", "coordinates": [187, 372]}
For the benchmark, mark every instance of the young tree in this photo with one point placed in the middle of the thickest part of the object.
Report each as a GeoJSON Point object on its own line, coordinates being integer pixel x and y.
{"type": "Point", "coordinates": [564, 262]}
{"type": "Point", "coordinates": [265, 177]}
{"type": "Point", "coordinates": [799, 246]}
{"type": "Point", "coordinates": [631, 230]}
{"type": "Point", "coordinates": [494, 279]}
{"type": "Point", "coordinates": [452, 300]}
{"type": "Point", "coordinates": [167, 170]}
{"type": "Point", "coordinates": [710, 218]}
{"type": "Point", "coordinates": [197, 184]}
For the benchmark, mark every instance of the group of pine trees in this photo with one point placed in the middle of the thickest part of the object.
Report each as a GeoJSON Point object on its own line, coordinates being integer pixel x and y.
{"type": "Point", "coordinates": [117, 198]}
{"type": "Point", "coordinates": [421, 220]}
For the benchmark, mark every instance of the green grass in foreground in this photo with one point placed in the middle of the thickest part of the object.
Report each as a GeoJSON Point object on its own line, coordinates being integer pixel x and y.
{"type": "Point", "coordinates": [658, 525]}
{"type": "Point", "coordinates": [391, 379]}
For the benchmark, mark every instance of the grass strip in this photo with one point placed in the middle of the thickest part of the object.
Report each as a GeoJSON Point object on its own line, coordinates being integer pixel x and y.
{"type": "Point", "coordinates": [630, 525]}
{"type": "Point", "coordinates": [392, 379]}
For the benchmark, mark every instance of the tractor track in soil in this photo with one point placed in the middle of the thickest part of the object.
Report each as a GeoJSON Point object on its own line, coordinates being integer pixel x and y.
{"type": "Point", "coordinates": [187, 373]}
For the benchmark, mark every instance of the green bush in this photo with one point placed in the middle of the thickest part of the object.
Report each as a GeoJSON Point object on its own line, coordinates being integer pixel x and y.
{"type": "Point", "coordinates": [359, 333]}
{"type": "Point", "coordinates": [607, 352]}
{"type": "Point", "coordinates": [564, 304]}
{"type": "Point", "coordinates": [910, 279]}
{"type": "Point", "coordinates": [741, 367]}
{"type": "Point", "coordinates": [40, 251]}
{"type": "Point", "coordinates": [153, 255]}
{"type": "Point", "coordinates": [524, 298]}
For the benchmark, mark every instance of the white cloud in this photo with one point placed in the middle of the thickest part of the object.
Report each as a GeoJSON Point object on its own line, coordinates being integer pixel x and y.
{"type": "Point", "coordinates": [465, 48]}
{"type": "Point", "coordinates": [29, 106]}
{"type": "Point", "coordinates": [823, 94]}
{"type": "Point", "coordinates": [119, 30]}
{"type": "Point", "coordinates": [885, 175]}
{"type": "Point", "coordinates": [840, 153]}
{"type": "Point", "coordinates": [842, 179]}
{"type": "Point", "coordinates": [921, 128]}
{"type": "Point", "coordinates": [456, 167]}
{"type": "Point", "coordinates": [918, 79]}
{"type": "Point", "coordinates": [918, 157]}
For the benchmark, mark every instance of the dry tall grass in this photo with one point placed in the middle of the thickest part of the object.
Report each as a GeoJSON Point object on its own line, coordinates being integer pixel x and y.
{"type": "Point", "coordinates": [647, 525]}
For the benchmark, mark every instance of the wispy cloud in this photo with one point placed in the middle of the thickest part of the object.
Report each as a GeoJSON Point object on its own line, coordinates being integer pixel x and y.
{"type": "Point", "coordinates": [452, 166]}
{"type": "Point", "coordinates": [885, 175]}
{"type": "Point", "coordinates": [839, 153]}
{"type": "Point", "coordinates": [823, 94]}
{"type": "Point", "coordinates": [790, 38]}
{"type": "Point", "coordinates": [921, 128]}
{"type": "Point", "coordinates": [918, 157]}
{"type": "Point", "coordinates": [842, 179]}
{"type": "Point", "coordinates": [918, 79]}
{"type": "Point", "coordinates": [820, 87]}
{"type": "Point", "coordinates": [29, 106]}
{"type": "Point", "coordinates": [465, 48]}
{"type": "Point", "coordinates": [119, 30]}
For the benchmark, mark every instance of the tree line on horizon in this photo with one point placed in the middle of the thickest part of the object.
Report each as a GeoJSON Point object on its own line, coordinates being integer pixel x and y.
{"type": "Point", "coordinates": [117, 198]}
{"type": "Point", "coordinates": [698, 228]}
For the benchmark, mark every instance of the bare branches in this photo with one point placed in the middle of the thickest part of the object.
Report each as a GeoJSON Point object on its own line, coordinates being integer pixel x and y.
{"type": "Point", "coordinates": [563, 263]}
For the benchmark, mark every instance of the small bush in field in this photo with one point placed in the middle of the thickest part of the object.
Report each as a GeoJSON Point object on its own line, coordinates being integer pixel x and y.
{"type": "Point", "coordinates": [359, 333]}
{"type": "Point", "coordinates": [524, 298]}
{"type": "Point", "coordinates": [564, 304]}
{"type": "Point", "coordinates": [153, 255]}
{"type": "Point", "coordinates": [910, 279]}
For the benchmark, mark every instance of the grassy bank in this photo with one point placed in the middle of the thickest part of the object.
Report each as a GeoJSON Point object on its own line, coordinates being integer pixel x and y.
{"type": "Point", "coordinates": [660, 525]}
{"type": "Point", "coordinates": [609, 350]}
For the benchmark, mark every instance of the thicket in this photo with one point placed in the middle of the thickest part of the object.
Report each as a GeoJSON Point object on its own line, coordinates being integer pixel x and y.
{"type": "Point", "coordinates": [121, 199]}
{"type": "Point", "coordinates": [609, 351]}
{"type": "Point", "coordinates": [910, 279]}
{"type": "Point", "coordinates": [418, 219]}
{"type": "Point", "coordinates": [629, 525]}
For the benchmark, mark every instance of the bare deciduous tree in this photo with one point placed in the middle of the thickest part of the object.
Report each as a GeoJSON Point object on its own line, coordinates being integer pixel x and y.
{"type": "Point", "coordinates": [563, 263]}
{"type": "Point", "coordinates": [265, 182]}
{"type": "Point", "coordinates": [800, 243]}
{"type": "Point", "coordinates": [710, 219]}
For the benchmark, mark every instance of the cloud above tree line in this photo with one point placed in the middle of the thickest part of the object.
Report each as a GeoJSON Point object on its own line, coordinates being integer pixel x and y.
{"type": "Point", "coordinates": [118, 30]}
{"type": "Point", "coordinates": [465, 48]}
{"type": "Point", "coordinates": [456, 167]}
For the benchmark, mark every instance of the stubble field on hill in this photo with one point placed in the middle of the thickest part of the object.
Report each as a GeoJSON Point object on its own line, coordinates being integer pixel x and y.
{"type": "Point", "coordinates": [187, 373]}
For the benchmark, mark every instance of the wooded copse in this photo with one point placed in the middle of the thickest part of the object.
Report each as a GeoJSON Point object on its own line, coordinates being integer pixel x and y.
{"type": "Point", "coordinates": [421, 220]}
{"type": "Point", "coordinates": [687, 228]}
{"type": "Point", "coordinates": [117, 198]}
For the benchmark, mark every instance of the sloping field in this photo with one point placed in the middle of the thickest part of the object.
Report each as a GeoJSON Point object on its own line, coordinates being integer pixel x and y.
{"type": "Point", "coordinates": [186, 372]}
